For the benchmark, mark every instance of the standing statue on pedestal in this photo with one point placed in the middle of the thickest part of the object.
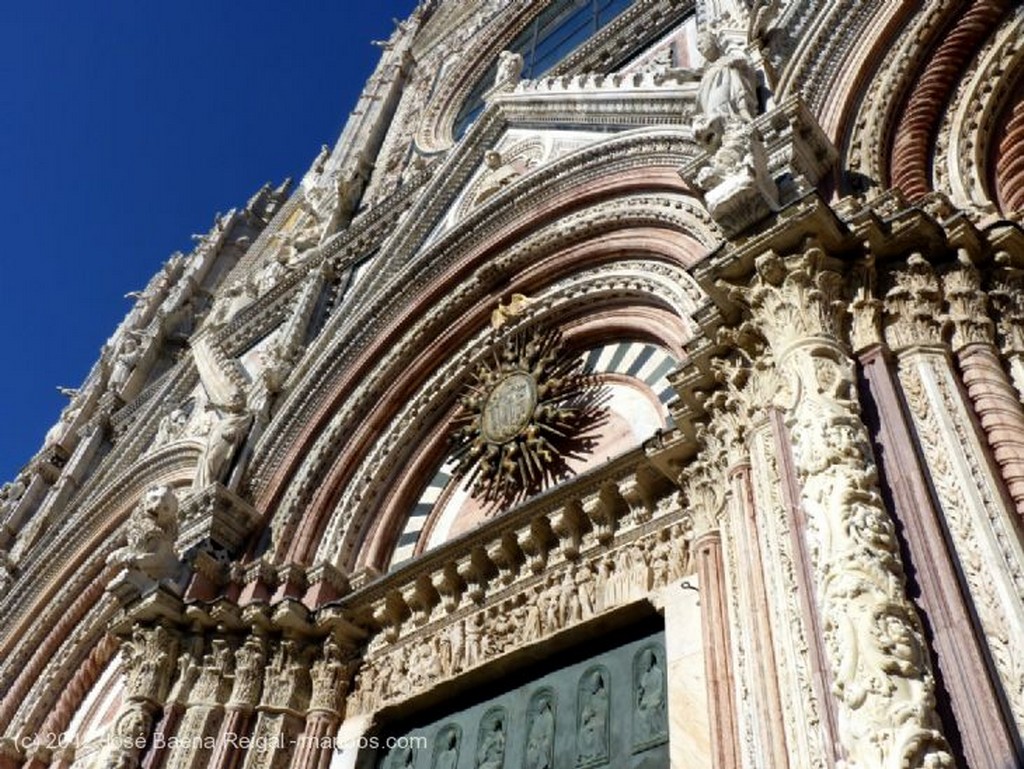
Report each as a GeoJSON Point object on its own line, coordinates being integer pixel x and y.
{"type": "Point", "coordinates": [129, 353]}
{"type": "Point", "coordinates": [222, 443]}
{"type": "Point", "coordinates": [728, 85]}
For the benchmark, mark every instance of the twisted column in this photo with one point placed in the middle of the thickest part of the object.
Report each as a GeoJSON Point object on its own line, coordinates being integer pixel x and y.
{"type": "Point", "coordinates": [995, 401]}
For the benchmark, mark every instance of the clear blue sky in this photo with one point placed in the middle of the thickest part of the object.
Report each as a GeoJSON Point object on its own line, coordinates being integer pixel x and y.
{"type": "Point", "coordinates": [124, 127]}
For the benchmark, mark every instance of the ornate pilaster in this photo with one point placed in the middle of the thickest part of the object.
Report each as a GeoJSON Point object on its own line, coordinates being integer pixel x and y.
{"type": "Point", "coordinates": [981, 526]}
{"type": "Point", "coordinates": [873, 639]}
{"type": "Point", "coordinates": [1007, 295]}
{"type": "Point", "coordinates": [961, 656]}
{"type": "Point", "coordinates": [177, 702]}
{"type": "Point", "coordinates": [753, 386]}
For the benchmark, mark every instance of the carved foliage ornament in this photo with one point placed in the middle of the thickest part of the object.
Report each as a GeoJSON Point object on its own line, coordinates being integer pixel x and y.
{"type": "Point", "coordinates": [523, 416]}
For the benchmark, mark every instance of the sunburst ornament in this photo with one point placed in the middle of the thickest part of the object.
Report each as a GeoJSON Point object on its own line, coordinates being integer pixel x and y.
{"type": "Point", "coordinates": [523, 416]}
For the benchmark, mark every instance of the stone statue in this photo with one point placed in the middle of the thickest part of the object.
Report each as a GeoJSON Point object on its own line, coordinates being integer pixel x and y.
{"type": "Point", "coordinates": [273, 271]}
{"type": "Point", "coordinates": [500, 174]}
{"type": "Point", "coordinates": [151, 531]}
{"type": "Point", "coordinates": [728, 85]}
{"type": "Point", "coordinates": [321, 159]}
{"type": "Point", "coordinates": [171, 427]}
{"type": "Point", "coordinates": [235, 297]}
{"type": "Point", "coordinates": [510, 69]}
{"type": "Point", "coordinates": [129, 352]}
{"type": "Point", "coordinates": [347, 190]}
{"type": "Point", "coordinates": [59, 431]}
{"type": "Point", "coordinates": [516, 306]}
{"type": "Point", "coordinates": [12, 492]}
{"type": "Point", "coordinates": [226, 435]}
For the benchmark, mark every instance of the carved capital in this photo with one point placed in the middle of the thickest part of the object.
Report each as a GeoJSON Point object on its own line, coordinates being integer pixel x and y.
{"type": "Point", "coordinates": [148, 659]}
{"type": "Point", "coordinates": [250, 659]}
{"type": "Point", "coordinates": [913, 305]}
{"type": "Point", "coordinates": [968, 307]}
{"type": "Point", "coordinates": [794, 298]}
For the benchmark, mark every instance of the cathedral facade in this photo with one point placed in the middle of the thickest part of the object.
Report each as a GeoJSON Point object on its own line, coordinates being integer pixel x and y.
{"type": "Point", "coordinates": [635, 383]}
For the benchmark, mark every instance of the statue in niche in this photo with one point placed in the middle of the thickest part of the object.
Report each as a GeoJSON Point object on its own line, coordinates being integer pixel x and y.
{"type": "Point", "coordinates": [151, 532]}
{"type": "Point", "coordinates": [649, 717]}
{"type": "Point", "coordinates": [222, 443]}
{"type": "Point", "coordinates": [490, 752]}
{"type": "Point", "coordinates": [592, 734]}
{"type": "Point", "coordinates": [446, 748]}
{"type": "Point", "coordinates": [540, 733]}
{"type": "Point", "coordinates": [129, 352]}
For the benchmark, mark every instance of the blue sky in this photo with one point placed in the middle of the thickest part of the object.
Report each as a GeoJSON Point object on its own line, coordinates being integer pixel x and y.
{"type": "Point", "coordinates": [124, 127]}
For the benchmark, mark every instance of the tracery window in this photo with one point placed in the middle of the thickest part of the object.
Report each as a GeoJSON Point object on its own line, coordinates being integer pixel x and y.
{"type": "Point", "coordinates": [556, 32]}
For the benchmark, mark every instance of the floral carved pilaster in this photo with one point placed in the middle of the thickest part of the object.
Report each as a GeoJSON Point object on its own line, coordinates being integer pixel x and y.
{"type": "Point", "coordinates": [876, 650]}
{"type": "Point", "coordinates": [177, 701]}
{"type": "Point", "coordinates": [995, 401]}
{"type": "Point", "coordinates": [981, 524]}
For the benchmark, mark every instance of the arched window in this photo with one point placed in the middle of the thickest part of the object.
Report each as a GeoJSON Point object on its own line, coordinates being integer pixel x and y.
{"type": "Point", "coordinates": [556, 32]}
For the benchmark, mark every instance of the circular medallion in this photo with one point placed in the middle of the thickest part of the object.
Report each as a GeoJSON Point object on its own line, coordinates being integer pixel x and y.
{"type": "Point", "coordinates": [509, 408]}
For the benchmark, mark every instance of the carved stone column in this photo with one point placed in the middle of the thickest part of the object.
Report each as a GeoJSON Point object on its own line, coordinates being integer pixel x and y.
{"type": "Point", "coordinates": [979, 519]}
{"type": "Point", "coordinates": [286, 690]}
{"type": "Point", "coordinates": [245, 696]}
{"type": "Point", "coordinates": [147, 660]}
{"type": "Point", "coordinates": [766, 690]}
{"type": "Point", "coordinates": [1007, 295]}
{"type": "Point", "coordinates": [988, 743]}
{"type": "Point", "coordinates": [704, 502]}
{"type": "Point", "coordinates": [330, 677]}
{"type": "Point", "coordinates": [876, 650]}
{"type": "Point", "coordinates": [995, 401]}
{"type": "Point", "coordinates": [202, 720]}
{"type": "Point", "coordinates": [174, 709]}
